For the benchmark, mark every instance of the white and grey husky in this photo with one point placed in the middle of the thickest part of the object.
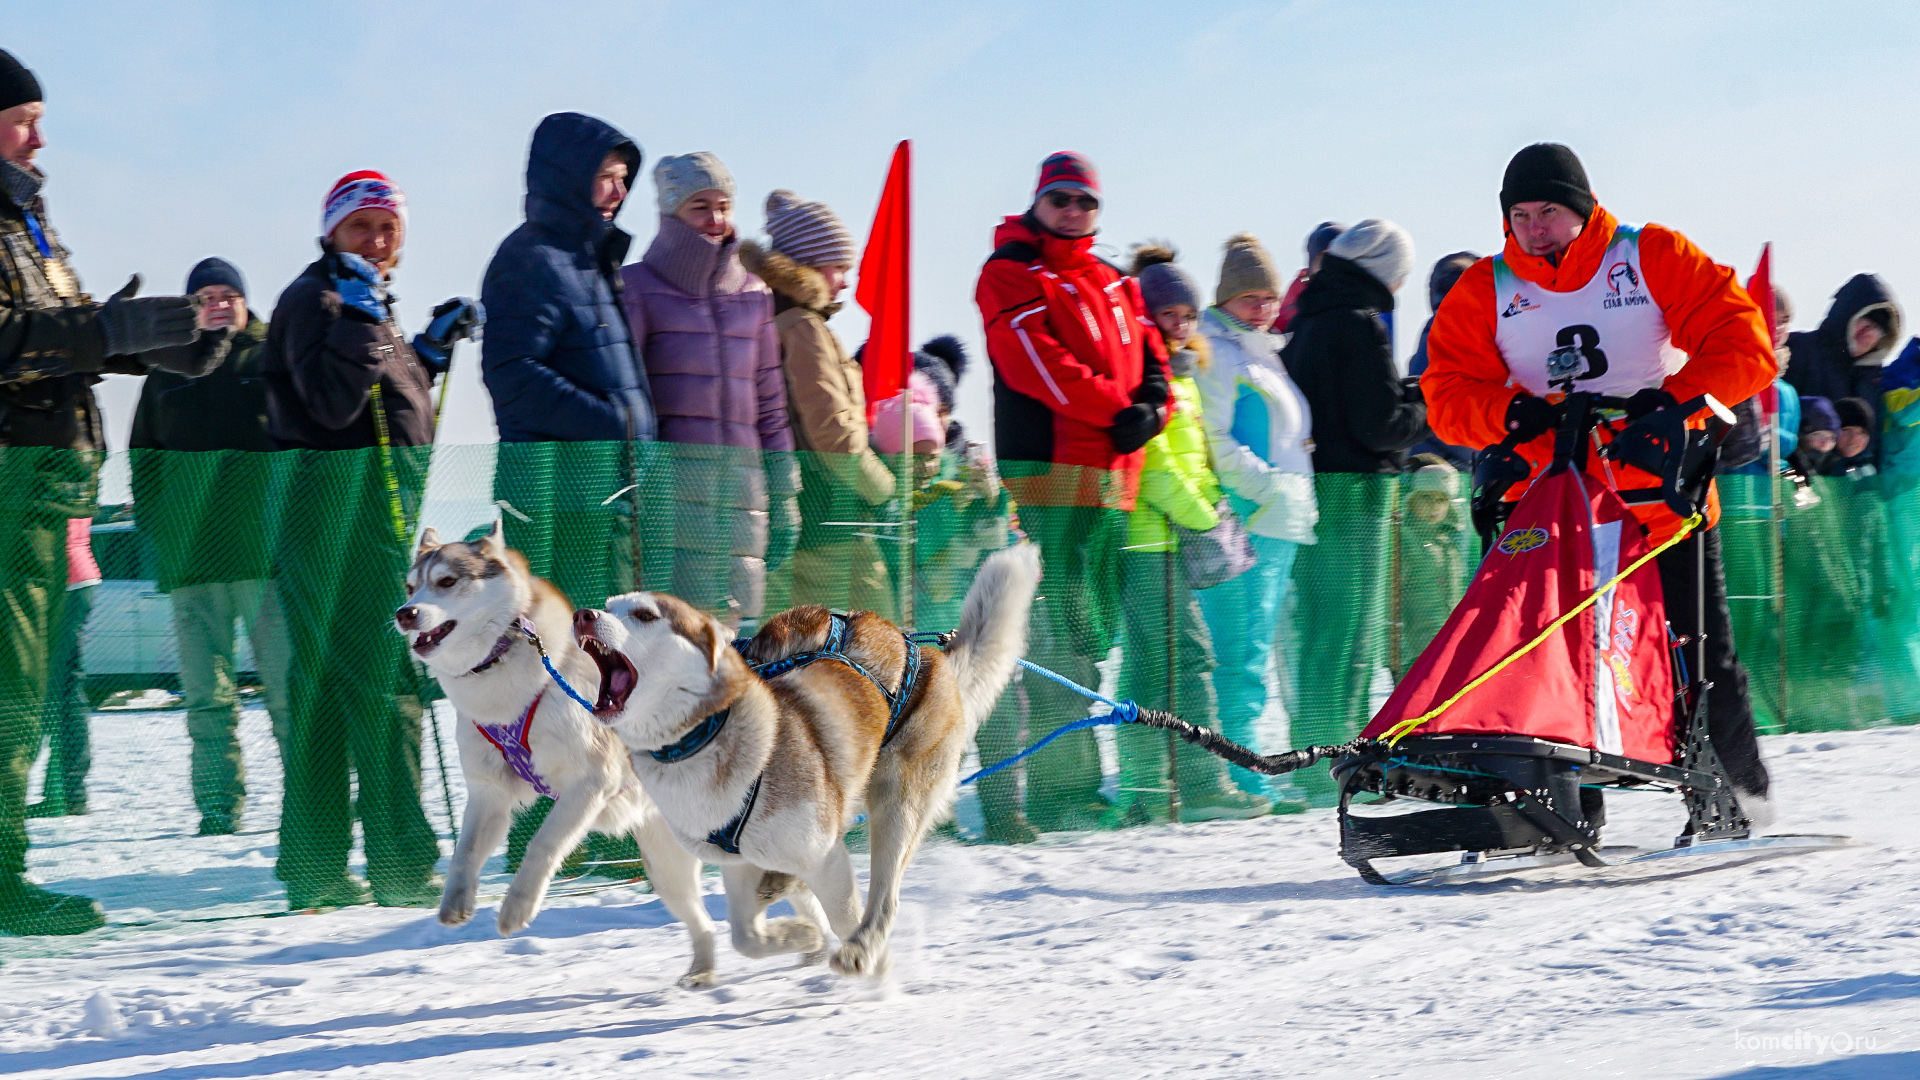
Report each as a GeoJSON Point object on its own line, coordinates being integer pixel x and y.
{"type": "Point", "coordinates": [467, 610]}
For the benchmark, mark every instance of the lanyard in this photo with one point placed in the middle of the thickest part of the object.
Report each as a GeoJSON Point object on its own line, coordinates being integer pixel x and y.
{"type": "Point", "coordinates": [39, 234]}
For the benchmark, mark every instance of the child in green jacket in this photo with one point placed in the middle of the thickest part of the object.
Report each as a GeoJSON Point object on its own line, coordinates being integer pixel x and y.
{"type": "Point", "coordinates": [1168, 660]}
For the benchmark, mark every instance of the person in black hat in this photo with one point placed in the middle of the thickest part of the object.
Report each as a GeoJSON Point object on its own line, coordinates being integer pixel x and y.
{"type": "Point", "coordinates": [214, 567]}
{"type": "Point", "coordinates": [1578, 301]}
{"type": "Point", "coordinates": [55, 343]}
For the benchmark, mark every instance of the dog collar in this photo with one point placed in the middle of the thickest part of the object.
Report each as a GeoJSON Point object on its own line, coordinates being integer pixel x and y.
{"type": "Point", "coordinates": [522, 626]}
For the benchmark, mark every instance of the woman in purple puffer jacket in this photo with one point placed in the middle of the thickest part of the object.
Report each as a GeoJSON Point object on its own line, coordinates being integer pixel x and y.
{"type": "Point", "coordinates": [704, 330]}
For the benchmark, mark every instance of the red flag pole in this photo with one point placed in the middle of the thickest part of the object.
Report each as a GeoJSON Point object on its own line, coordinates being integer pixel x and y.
{"type": "Point", "coordinates": [885, 292]}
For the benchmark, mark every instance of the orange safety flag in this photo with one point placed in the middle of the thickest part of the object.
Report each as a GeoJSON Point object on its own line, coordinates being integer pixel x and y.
{"type": "Point", "coordinates": [885, 286]}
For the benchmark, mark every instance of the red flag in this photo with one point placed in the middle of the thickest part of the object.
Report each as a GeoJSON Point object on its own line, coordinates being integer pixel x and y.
{"type": "Point", "coordinates": [1760, 287]}
{"type": "Point", "coordinates": [884, 289]}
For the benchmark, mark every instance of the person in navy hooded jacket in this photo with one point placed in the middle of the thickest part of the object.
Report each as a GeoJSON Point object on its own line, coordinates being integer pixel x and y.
{"type": "Point", "coordinates": [569, 393]}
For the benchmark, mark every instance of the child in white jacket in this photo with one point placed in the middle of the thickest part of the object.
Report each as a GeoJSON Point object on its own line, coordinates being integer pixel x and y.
{"type": "Point", "coordinates": [1258, 429]}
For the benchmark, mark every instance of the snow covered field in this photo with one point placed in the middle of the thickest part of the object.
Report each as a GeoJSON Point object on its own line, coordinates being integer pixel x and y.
{"type": "Point", "coordinates": [1220, 950]}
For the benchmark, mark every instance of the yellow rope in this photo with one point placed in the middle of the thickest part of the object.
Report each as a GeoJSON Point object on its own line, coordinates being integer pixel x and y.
{"type": "Point", "coordinates": [1405, 727]}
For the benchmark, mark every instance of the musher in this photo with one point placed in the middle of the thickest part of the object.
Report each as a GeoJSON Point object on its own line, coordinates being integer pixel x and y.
{"type": "Point", "coordinates": [1653, 320]}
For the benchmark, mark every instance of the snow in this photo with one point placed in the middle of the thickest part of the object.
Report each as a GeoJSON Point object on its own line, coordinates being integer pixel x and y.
{"type": "Point", "coordinates": [1231, 949]}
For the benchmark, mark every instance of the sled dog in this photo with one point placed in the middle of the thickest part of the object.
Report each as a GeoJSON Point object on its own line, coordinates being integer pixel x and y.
{"type": "Point", "coordinates": [520, 735]}
{"type": "Point", "coordinates": [768, 773]}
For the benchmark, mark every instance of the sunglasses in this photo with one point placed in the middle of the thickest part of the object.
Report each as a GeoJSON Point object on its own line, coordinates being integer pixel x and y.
{"type": "Point", "coordinates": [1060, 200]}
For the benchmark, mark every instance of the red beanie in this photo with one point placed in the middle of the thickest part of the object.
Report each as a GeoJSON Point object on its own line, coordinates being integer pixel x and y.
{"type": "Point", "coordinates": [1066, 169]}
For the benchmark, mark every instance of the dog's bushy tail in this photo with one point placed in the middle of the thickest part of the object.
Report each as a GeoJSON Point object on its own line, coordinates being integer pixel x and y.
{"type": "Point", "coordinates": [993, 629]}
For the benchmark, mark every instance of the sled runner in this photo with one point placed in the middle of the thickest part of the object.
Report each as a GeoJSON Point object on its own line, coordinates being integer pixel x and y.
{"type": "Point", "coordinates": [1556, 678]}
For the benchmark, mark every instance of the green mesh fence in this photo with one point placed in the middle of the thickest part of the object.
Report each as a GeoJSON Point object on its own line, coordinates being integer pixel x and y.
{"type": "Point", "coordinates": [236, 674]}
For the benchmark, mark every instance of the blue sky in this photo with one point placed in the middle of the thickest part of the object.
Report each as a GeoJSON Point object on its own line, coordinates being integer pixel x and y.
{"type": "Point", "coordinates": [178, 131]}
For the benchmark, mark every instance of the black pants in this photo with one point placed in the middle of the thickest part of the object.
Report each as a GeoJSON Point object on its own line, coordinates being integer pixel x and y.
{"type": "Point", "coordinates": [1729, 705]}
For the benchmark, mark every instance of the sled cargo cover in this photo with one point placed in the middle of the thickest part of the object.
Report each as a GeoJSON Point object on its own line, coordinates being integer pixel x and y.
{"type": "Point", "coordinates": [1604, 680]}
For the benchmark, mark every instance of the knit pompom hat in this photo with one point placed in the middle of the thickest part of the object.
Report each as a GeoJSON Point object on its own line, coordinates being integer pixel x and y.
{"type": "Point", "coordinates": [678, 179]}
{"type": "Point", "coordinates": [1246, 268]}
{"type": "Point", "coordinates": [943, 361]}
{"type": "Point", "coordinates": [809, 233]}
{"type": "Point", "coordinates": [1379, 247]}
{"type": "Point", "coordinates": [363, 190]}
{"type": "Point", "coordinates": [1163, 283]}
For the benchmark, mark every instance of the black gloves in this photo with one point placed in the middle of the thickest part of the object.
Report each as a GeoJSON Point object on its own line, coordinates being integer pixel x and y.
{"type": "Point", "coordinates": [155, 322]}
{"type": "Point", "coordinates": [1528, 418]}
{"type": "Point", "coordinates": [1134, 425]}
{"type": "Point", "coordinates": [1648, 400]}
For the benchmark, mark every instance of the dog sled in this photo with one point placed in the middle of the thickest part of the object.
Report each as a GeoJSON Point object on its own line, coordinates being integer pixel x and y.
{"type": "Point", "coordinates": [1556, 679]}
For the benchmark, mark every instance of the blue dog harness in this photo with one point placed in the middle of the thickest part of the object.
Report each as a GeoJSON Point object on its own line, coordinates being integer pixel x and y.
{"type": "Point", "coordinates": [727, 837]}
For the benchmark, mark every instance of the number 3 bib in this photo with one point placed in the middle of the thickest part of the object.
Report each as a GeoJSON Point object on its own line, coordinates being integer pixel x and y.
{"type": "Point", "coordinates": [1606, 337]}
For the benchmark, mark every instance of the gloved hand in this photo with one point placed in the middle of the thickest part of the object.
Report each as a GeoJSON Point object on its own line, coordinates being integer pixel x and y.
{"type": "Point", "coordinates": [359, 285]}
{"type": "Point", "coordinates": [1134, 426]}
{"type": "Point", "coordinates": [1649, 400]}
{"type": "Point", "coordinates": [1529, 417]}
{"type": "Point", "coordinates": [153, 322]}
{"type": "Point", "coordinates": [458, 319]}
{"type": "Point", "coordinates": [783, 508]}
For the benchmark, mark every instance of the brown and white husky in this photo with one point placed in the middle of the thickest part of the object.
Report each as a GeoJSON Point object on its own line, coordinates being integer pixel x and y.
{"type": "Point", "coordinates": [769, 774]}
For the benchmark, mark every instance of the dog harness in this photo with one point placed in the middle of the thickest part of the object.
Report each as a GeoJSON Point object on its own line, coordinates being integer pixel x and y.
{"type": "Point", "coordinates": [511, 741]}
{"type": "Point", "coordinates": [727, 837]}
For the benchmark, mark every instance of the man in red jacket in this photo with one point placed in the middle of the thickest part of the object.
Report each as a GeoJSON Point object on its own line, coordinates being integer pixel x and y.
{"type": "Point", "coordinates": [1080, 385]}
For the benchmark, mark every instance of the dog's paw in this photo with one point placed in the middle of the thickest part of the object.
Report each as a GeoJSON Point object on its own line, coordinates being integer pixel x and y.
{"type": "Point", "coordinates": [515, 913]}
{"type": "Point", "coordinates": [812, 959]}
{"type": "Point", "coordinates": [699, 980]}
{"type": "Point", "coordinates": [456, 906]}
{"type": "Point", "coordinates": [855, 958]}
{"type": "Point", "coordinates": [795, 935]}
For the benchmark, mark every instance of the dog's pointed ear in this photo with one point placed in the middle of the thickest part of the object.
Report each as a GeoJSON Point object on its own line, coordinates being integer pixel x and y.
{"type": "Point", "coordinates": [494, 544]}
{"type": "Point", "coordinates": [429, 541]}
{"type": "Point", "coordinates": [719, 639]}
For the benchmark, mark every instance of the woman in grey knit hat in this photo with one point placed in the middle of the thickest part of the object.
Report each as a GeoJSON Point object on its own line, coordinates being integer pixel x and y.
{"type": "Point", "coordinates": [704, 330]}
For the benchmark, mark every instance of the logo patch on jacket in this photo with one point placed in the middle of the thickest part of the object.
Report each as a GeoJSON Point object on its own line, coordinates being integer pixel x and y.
{"type": "Point", "coordinates": [1522, 540]}
{"type": "Point", "coordinates": [1520, 303]}
{"type": "Point", "coordinates": [1621, 278]}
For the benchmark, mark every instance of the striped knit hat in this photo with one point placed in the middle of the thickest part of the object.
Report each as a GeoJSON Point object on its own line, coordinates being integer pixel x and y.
{"type": "Point", "coordinates": [1066, 169]}
{"type": "Point", "coordinates": [363, 190]}
{"type": "Point", "coordinates": [809, 233]}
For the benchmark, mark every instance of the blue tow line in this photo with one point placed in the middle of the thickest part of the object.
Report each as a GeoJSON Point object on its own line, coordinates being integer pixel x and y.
{"type": "Point", "coordinates": [1119, 712]}
{"type": "Point", "coordinates": [1122, 712]}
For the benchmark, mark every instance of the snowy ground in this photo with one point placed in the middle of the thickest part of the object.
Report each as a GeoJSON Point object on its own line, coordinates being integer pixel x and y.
{"type": "Point", "coordinates": [1222, 950]}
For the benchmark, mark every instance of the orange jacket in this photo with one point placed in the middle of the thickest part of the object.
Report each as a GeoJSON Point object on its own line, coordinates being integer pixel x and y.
{"type": "Point", "coordinates": [1709, 316]}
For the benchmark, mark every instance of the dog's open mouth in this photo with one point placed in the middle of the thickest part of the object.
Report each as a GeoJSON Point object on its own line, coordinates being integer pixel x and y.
{"type": "Point", "coordinates": [617, 675]}
{"type": "Point", "coordinates": [431, 640]}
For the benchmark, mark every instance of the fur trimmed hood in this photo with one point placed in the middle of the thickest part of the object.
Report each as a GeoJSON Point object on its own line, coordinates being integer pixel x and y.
{"type": "Point", "coordinates": [803, 285]}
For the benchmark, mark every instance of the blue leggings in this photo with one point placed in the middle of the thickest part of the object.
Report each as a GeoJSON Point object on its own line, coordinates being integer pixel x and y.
{"type": "Point", "coordinates": [1242, 615]}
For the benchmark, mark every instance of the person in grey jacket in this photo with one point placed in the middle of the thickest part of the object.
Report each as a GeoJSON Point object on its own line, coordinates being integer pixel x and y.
{"type": "Point", "coordinates": [704, 330]}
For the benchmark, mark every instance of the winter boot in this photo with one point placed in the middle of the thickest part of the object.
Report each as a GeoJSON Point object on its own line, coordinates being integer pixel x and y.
{"type": "Point", "coordinates": [1223, 804]}
{"type": "Point", "coordinates": [27, 909]}
{"type": "Point", "coordinates": [346, 892]}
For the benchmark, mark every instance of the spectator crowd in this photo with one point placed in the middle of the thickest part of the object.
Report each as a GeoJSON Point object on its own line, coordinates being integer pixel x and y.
{"type": "Point", "coordinates": [1202, 469]}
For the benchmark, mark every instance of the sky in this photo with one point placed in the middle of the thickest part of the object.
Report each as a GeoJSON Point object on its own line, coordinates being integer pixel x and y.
{"type": "Point", "coordinates": [178, 131]}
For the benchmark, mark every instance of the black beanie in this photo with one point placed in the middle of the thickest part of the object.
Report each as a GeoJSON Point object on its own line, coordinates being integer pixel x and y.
{"type": "Point", "coordinates": [215, 271]}
{"type": "Point", "coordinates": [17, 84]}
{"type": "Point", "coordinates": [1855, 412]}
{"type": "Point", "coordinates": [1546, 172]}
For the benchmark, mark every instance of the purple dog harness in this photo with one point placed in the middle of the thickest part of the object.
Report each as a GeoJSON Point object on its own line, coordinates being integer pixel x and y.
{"type": "Point", "coordinates": [511, 741]}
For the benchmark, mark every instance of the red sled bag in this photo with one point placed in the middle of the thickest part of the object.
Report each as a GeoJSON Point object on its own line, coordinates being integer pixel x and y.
{"type": "Point", "coordinates": [1603, 680]}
